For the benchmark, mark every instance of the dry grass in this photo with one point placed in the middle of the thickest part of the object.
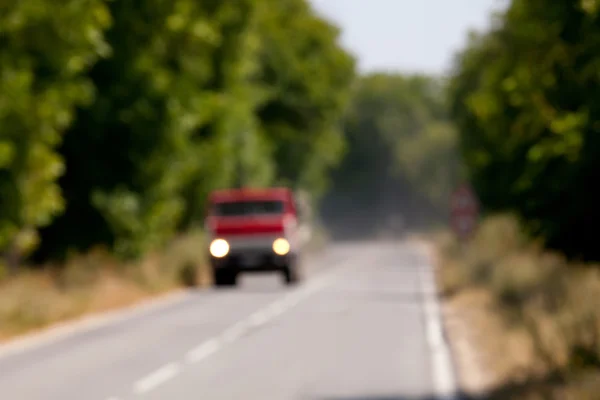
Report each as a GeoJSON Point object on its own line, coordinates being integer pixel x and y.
{"type": "Point", "coordinates": [96, 282]}
{"type": "Point", "coordinates": [540, 314]}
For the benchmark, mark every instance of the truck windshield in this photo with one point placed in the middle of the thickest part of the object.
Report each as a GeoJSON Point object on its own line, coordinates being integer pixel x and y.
{"type": "Point", "coordinates": [242, 208]}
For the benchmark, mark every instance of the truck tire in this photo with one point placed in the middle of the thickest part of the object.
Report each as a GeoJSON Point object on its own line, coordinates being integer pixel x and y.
{"type": "Point", "coordinates": [290, 275]}
{"type": "Point", "coordinates": [292, 272]}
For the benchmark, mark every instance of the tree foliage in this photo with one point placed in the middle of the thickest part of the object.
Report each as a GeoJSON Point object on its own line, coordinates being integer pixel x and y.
{"type": "Point", "coordinates": [45, 55]}
{"type": "Point", "coordinates": [401, 158]}
{"type": "Point", "coordinates": [524, 99]}
{"type": "Point", "coordinates": [308, 78]}
{"type": "Point", "coordinates": [117, 118]}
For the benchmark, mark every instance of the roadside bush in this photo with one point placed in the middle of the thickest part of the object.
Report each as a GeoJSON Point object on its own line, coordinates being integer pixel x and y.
{"type": "Point", "coordinates": [96, 281]}
{"type": "Point", "coordinates": [188, 275]}
{"type": "Point", "coordinates": [556, 302]}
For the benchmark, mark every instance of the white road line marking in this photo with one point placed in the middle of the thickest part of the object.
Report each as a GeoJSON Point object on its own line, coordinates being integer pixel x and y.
{"type": "Point", "coordinates": [262, 315]}
{"type": "Point", "coordinates": [276, 308]}
{"type": "Point", "coordinates": [235, 332]}
{"type": "Point", "coordinates": [157, 378]}
{"type": "Point", "coordinates": [232, 333]}
{"type": "Point", "coordinates": [204, 350]}
{"type": "Point", "coordinates": [292, 301]}
{"type": "Point", "coordinates": [443, 381]}
{"type": "Point", "coordinates": [258, 318]}
{"type": "Point", "coordinates": [443, 372]}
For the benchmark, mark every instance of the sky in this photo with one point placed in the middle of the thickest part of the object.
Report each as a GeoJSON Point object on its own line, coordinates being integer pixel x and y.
{"type": "Point", "coordinates": [406, 35]}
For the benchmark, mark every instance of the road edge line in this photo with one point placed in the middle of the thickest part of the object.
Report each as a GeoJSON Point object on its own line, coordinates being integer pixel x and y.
{"type": "Point", "coordinates": [444, 373]}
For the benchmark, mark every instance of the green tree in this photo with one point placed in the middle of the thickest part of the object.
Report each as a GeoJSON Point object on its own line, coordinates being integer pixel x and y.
{"type": "Point", "coordinates": [402, 156]}
{"type": "Point", "coordinates": [130, 153]}
{"type": "Point", "coordinates": [308, 78]}
{"type": "Point", "coordinates": [182, 108]}
{"type": "Point", "coordinates": [232, 150]}
{"type": "Point", "coordinates": [45, 53]}
{"type": "Point", "coordinates": [524, 99]}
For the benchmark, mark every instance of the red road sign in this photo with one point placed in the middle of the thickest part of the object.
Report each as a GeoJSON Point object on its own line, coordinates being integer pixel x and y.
{"type": "Point", "coordinates": [464, 211]}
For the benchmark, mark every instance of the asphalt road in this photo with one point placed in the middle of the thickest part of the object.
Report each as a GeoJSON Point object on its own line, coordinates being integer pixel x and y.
{"type": "Point", "coordinates": [363, 325]}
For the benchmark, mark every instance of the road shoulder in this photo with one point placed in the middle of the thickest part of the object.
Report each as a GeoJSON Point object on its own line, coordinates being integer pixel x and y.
{"type": "Point", "coordinates": [464, 318]}
{"type": "Point", "coordinates": [87, 322]}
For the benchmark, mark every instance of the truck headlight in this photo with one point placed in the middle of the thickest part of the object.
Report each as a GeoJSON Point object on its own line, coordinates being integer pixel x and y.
{"type": "Point", "coordinates": [219, 248]}
{"type": "Point", "coordinates": [281, 246]}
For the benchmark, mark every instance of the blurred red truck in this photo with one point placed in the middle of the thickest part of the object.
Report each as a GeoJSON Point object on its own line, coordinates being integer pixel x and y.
{"type": "Point", "coordinates": [252, 230]}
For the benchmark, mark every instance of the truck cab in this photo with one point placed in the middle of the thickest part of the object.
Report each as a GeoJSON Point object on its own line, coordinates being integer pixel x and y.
{"type": "Point", "coordinates": [252, 230]}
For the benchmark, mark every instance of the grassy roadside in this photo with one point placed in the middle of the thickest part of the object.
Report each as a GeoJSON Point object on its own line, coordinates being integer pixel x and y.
{"type": "Point", "coordinates": [533, 317]}
{"type": "Point", "coordinates": [96, 282]}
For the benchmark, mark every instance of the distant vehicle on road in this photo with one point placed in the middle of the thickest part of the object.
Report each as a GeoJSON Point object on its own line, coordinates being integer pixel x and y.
{"type": "Point", "coordinates": [253, 230]}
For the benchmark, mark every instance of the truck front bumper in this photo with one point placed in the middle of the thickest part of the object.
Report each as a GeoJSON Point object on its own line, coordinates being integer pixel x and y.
{"type": "Point", "coordinates": [253, 261]}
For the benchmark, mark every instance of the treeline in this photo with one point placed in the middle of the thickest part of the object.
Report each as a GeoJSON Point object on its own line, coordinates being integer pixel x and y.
{"type": "Point", "coordinates": [524, 97]}
{"type": "Point", "coordinates": [401, 160]}
{"type": "Point", "coordinates": [118, 117]}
